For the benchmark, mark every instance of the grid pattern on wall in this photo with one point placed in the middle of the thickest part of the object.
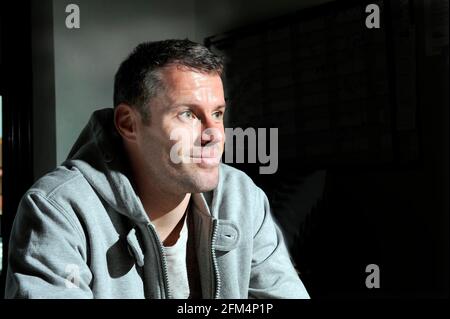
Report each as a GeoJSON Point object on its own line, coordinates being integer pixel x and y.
{"type": "Point", "coordinates": [338, 92]}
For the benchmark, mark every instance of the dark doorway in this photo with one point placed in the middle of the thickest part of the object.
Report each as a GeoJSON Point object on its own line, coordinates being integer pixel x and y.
{"type": "Point", "coordinates": [16, 92]}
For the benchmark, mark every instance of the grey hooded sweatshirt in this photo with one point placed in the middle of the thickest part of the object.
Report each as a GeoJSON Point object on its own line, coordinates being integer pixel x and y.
{"type": "Point", "coordinates": [81, 232]}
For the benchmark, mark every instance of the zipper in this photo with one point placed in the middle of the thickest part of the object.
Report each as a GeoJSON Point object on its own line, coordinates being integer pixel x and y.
{"type": "Point", "coordinates": [162, 254]}
{"type": "Point", "coordinates": [216, 275]}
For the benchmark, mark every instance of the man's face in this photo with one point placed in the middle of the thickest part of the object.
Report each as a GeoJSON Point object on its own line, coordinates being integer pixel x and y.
{"type": "Point", "coordinates": [183, 142]}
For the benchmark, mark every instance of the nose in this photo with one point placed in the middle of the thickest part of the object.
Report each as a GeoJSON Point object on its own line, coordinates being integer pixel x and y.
{"type": "Point", "coordinates": [212, 131]}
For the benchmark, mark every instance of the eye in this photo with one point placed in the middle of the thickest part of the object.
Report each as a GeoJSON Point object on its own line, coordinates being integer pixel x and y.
{"type": "Point", "coordinates": [218, 115]}
{"type": "Point", "coordinates": [188, 115]}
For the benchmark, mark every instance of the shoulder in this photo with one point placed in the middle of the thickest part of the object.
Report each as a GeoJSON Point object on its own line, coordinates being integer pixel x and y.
{"type": "Point", "coordinates": [46, 206]}
{"type": "Point", "coordinates": [58, 179]}
{"type": "Point", "coordinates": [62, 180]}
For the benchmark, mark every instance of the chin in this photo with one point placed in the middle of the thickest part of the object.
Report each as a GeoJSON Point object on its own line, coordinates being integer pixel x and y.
{"type": "Point", "coordinates": [204, 179]}
{"type": "Point", "coordinates": [194, 177]}
{"type": "Point", "coordinates": [207, 180]}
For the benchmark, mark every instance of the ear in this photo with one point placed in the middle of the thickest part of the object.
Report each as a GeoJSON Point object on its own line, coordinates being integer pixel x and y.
{"type": "Point", "coordinates": [125, 120]}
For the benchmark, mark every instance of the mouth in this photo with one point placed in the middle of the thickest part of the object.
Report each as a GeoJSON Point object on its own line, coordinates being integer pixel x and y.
{"type": "Point", "coordinates": [207, 158]}
{"type": "Point", "coordinates": [206, 161]}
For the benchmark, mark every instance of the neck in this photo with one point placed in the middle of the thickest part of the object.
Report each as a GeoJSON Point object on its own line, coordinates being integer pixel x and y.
{"type": "Point", "coordinates": [165, 208]}
{"type": "Point", "coordinates": [167, 215]}
{"type": "Point", "coordinates": [164, 205]}
{"type": "Point", "coordinates": [159, 204]}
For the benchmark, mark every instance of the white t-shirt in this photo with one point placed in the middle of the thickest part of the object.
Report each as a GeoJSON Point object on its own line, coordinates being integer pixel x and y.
{"type": "Point", "coordinates": [176, 265]}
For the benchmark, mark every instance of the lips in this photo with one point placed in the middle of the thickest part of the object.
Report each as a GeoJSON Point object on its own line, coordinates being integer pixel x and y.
{"type": "Point", "coordinates": [208, 157]}
{"type": "Point", "coordinates": [209, 161]}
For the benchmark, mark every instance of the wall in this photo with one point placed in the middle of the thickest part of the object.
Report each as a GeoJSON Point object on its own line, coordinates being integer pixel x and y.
{"type": "Point", "coordinates": [214, 17]}
{"type": "Point", "coordinates": [44, 124]}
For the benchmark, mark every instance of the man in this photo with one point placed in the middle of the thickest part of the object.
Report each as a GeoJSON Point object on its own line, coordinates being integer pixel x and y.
{"type": "Point", "coordinates": [140, 211]}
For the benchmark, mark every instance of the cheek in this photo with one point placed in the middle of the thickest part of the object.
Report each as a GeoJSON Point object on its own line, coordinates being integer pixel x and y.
{"type": "Point", "coordinates": [174, 142]}
{"type": "Point", "coordinates": [186, 133]}
{"type": "Point", "coordinates": [154, 141]}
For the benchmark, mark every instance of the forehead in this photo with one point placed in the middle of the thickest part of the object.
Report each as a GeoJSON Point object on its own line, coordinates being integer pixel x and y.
{"type": "Point", "coordinates": [179, 81]}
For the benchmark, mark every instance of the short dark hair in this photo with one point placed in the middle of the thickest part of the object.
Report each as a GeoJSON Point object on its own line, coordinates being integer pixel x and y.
{"type": "Point", "coordinates": [137, 80]}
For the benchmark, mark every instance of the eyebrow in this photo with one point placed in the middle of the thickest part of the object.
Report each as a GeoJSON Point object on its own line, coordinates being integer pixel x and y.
{"type": "Point", "coordinates": [193, 105]}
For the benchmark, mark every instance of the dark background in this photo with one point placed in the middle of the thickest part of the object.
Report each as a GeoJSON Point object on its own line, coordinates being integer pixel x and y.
{"type": "Point", "coordinates": [363, 135]}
